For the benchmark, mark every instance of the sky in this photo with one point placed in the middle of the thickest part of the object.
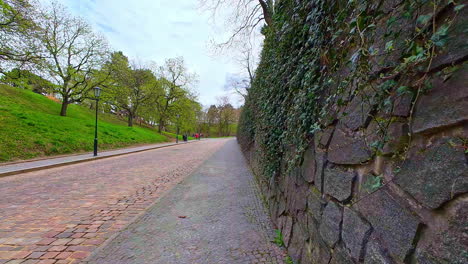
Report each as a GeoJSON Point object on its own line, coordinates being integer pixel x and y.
{"type": "Point", "coordinates": [154, 30]}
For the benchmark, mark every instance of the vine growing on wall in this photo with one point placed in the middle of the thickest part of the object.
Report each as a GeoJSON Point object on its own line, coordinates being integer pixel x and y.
{"type": "Point", "coordinates": [321, 55]}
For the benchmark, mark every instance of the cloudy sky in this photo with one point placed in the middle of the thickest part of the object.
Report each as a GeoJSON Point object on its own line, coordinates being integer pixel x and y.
{"type": "Point", "coordinates": [158, 29]}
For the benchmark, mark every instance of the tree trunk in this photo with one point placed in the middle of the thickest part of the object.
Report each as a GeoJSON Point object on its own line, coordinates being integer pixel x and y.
{"type": "Point", "coordinates": [267, 11]}
{"type": "Point", "coordinates": [130, 120]}
{"type": "Point", "coordinates": [63, 111]}
{"type": "Point", "coordinates": [160, 125]}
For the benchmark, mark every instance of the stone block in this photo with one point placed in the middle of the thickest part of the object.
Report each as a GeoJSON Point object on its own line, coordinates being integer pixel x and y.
{"type": "Point", "coordinates": [341, 257]}
{"type": "Point", "coordinates": [402, 105]}
{"type": "Point", "coordinates": [355, 233]}
{"type": "Point", "coordinates": [397, 134]}
{"type": "Point", "coordinates": [297, 243]}
{"type": "Point", "coordinates": [320, 252]}
{"type": "Point", "coordinates": [447, 243]}
{"type": "Point", "coordinates": [307, 257]}
{"type": "Point", "coordinates": [287, 230]}
{"type": "Point", "coordinates": [358, 110]}
{"type": "Point", "coordinates": [314, 203]}
{"type": "Point", "coordinates": [446, 104]}
{"type": "Point", "coordinates": [456, 47]}
{"type": "Point", "coordinates": [322, 138]}
{"type": "Point", "coordinates": [330, 224]}
{"type": "Point", "coordinates": [308, 165]}
{"type": "Point", "coordinates": [346, 148]}
{"type": "Point", "coordinates": [384, 32]}
{"type": "Point", "coordinates": [297, 197]}
{"type": "Point", "coordinates": [338, 183]}
{"type": "Point", "coordinates": [281, 204]}
{"type": "Point", "coordinates": [320, 161]}
{"type": "Point", "coordinates": [436, 174]}
{"type": "Point", "coordinates": [395, 225]}
{"type": "Point", "coordinates": [374, 255]}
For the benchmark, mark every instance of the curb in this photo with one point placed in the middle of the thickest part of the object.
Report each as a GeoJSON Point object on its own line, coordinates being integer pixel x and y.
{"type": "Point", "coordinates": [66, 163]}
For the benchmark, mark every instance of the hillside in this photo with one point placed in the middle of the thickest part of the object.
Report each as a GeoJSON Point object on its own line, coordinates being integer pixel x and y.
{"type": "Point", "coordinates": [31, 127]}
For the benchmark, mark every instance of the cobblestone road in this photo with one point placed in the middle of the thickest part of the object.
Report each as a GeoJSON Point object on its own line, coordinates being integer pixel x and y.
{"type": "Point", "coordinates": [214, 216]}
{"type": "Point", "coordinates": [61, 215]}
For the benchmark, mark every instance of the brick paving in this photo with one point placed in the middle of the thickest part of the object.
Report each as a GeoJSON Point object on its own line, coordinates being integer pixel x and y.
{"type": "Point", "coordinates": [43, 163]}
{"type": "Point", "coordinates": [63, 214]}
{"type": "Point", "coordinates": [214, 216]}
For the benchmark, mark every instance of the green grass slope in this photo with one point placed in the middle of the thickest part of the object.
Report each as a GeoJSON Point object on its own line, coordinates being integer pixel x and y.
{"type": "Point", "coordinates": [30, 127]}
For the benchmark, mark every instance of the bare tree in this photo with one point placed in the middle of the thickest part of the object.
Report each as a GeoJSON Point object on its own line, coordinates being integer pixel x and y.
{"type": "Point", "coordinates": [241, 82]}
{"type": "Point", "coordinates": [72, 52]}
{"type": "Point", "coordinates": [238, 84]}
{"type": "Point", "coordinates": [245, 17]}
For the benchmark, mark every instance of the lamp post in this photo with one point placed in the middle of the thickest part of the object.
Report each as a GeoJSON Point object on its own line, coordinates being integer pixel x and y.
{"type": "Point", "coordinates": [177, 132]}
{"type": "Point", "coordinates": [97, 93]}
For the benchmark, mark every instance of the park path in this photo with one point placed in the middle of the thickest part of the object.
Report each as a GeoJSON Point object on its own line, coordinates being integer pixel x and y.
{"type": "Point", "coordinates": [61, 215]}
{"type": "Point", "coordinates": [214, 216]}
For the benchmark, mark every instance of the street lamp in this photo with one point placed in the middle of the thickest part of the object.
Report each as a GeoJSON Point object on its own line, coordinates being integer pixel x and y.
{"type": "Point", "coordinates": [177, 132]}
{"type": "Point", "coordinates": [97, 93]}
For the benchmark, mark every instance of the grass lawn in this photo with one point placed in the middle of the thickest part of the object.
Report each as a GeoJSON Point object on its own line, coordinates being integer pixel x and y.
{"type": "Point", "coordinates": [30, 127]}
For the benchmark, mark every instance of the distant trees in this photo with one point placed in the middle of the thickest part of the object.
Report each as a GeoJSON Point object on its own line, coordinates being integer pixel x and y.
{"type": "Point", "coordinates": [220, 119]}
{"type": "Point", "coordinates": [128, 88]}
{"type": "Point", "coordinates": [175, 80]}
{"type": "Point", "coordinates": [226, 116]}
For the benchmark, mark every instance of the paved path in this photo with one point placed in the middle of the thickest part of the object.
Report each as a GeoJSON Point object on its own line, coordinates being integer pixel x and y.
{"type": "Point", "coordinates": [62, 214]}
{"type": "Point", "coordinates": [18, 167]}
{"type": "Point", "coordinates": [214, 216]}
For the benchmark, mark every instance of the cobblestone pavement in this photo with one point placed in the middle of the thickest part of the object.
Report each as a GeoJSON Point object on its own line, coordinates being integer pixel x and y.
{"type": "Point", "coordinates": [61, 215]}
{"type": "Point", "coordinates": [214, 216]}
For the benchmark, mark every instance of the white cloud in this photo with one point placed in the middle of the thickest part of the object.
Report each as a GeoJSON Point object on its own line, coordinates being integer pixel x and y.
{"type": "Point", "coordinates": [160, 29]}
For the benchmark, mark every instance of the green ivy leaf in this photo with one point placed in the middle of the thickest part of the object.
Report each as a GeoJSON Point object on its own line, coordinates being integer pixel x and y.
{"type": "Point", "coordinates": [423, 19]}
{"type": "Point", "coordinates": [440, 37]}
{"type": "Point", "coordinates": [373, 183]}
{"type": "Point", "coordinates": [389, 46]}
{"type": "Point", "coordinates": [391, 20]}
{"type": "Point", "coordinates": [403, 90]}
{"type": "Point", "coordinates": [458, 7]}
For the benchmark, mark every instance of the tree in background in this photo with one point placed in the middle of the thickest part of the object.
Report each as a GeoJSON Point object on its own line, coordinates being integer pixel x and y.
{"type": "Point", "coordinates": [17, 33]}
{"type": "Point", "coordinates": [72, 53]}
{"type": "Point", "coordinates": [212, 116]}
{"type": "Point", "coordinates": [129, 88]}
{"type": "Point", "coordinates": [189, 110]}
{"type": "Point", "coordinates": [226, 116]}
{"type": "Point", "coordinates": [175, 80]}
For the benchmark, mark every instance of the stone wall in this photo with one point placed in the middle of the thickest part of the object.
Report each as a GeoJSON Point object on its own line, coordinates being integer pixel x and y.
{"type": "Point", "coordinates": [345, 202]}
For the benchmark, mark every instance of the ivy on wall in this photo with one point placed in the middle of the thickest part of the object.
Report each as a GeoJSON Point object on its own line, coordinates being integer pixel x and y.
{"type": "Point", "coordinates": [328, 60]}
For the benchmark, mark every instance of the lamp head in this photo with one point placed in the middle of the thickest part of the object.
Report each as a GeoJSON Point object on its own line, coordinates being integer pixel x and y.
{"type": "Point", "coordinates": [97, 92]}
